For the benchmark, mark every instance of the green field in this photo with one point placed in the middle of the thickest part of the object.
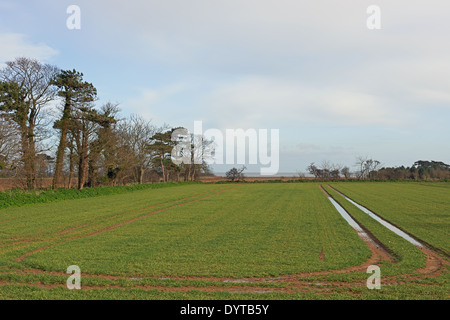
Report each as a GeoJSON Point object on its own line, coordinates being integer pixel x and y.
{"type": "Point", "coordinates": [224, 241]}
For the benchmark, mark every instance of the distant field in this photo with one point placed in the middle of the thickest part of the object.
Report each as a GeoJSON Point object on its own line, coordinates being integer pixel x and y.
{"type": "Point", "coordinates": [202, 241]}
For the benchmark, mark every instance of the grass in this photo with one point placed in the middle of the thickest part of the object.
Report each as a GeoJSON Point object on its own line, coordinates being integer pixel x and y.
{"type": "Point", "coordinates": [252, 235]}
{"type": "Point", "coordinates": [410, 292]}
{"type": "Point", "coordinates": [181, 242]}
{"type": "Point", "coordinates": [18, 197]}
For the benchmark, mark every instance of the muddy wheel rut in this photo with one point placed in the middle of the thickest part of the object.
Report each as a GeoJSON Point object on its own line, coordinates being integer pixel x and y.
{"type": "Point", "coordinates": [63, 236]}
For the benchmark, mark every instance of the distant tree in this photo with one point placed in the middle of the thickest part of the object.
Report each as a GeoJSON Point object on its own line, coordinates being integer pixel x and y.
{"type": "Point", "coordinates": [301, 175]}
{"type": "Point", "coordinates": [199, 152]}
{"type": "Point", "coordinates": [325, 171]}
{"type": "Point", "coordinates": [161, 146]}
{"type": "Point", "coordinates": [335, 174]}
{"type": "Point", "coordinates": [421, 172]}
{"type": "Point", "coordinates": [312, 169]}
{"type": "Point", "coordinates": [371, 167]}
{"type": "Point", "coordinates": [413, 173]}
{"type": "Point", "coordinates": [85, 123]}
{"type": "Point", "coordinates": [136, 134]}
{"type": "Point", "coordinates": [105, 146]}
{"type": "Point", "coordinates": [432, 169]}
{"type": "Point", "coordinates": [431, 164]}
{"type": "Point", "coordinates": [235, 174]}
{"type": "Point", "coordinates": [367, 167]}
{"type": "Point", "coordinates": [360, 163]}
{"type": "Point", "coordinates": [345, 172]}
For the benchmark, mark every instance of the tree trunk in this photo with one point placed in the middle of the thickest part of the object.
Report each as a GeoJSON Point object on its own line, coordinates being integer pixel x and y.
{"type": "Point", "coordinates": [193, 174]}
{"type": "Point", "coordinates": [163, 171]}
{"type": "Point", "coordinates": [141, 175]}
{"type": "Point", "coordinates": [27, 146]}
{"type": "Point", "coordinates": [24, 149]}
{"type": "Point", "coordinates": [71, 167]}
{"type": "Point", "coordinates": [84, 162]}
{"type": "Point", "coordinates": [62, 146]}
{"type": "Point", "coordinates": [31, 156]}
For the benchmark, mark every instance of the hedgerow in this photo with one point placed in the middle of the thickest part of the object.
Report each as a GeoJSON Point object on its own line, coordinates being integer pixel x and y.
{"type": "Point", "coordinates": [18, 197]}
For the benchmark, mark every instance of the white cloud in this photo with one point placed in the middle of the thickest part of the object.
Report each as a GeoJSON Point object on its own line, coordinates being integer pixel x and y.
{"type": "Point", "coordinates": [435, 96]}
{"type": "Point", "coordinates": [152, 103]}
{"type": "Point", "coordinates": [288, 62]}
{"type": "Point", "coordinates": [18, 45]}
{"type": "Point", "coordinates": [208, 31]}
{"type": "Point", "coordinates": [256, 101]}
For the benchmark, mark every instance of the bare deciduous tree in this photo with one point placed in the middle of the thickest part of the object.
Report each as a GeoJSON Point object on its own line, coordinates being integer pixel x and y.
{"type": "Point", "coordinates": [137, 134]}
{"type": "Point", "coordinates": [345, 172]}
{"type": "Point", "coordinates": [325, 171]}
{"type": "Point", "coordinates": [201, 152]}
{"type": "Point", "coordinates": [235, 174]}
{"type": "Point", "coordinates": [9, 143]}
{"type": "Point", "coordinates": [26, 89]}
{"type": "Point", "coordinates": [367, 167]}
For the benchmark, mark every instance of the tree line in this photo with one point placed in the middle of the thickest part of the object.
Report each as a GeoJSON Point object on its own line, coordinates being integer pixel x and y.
{"type": "Point", "coordinates": [370, 169]}
{"type": "Point", "coordinates": [51, 127]}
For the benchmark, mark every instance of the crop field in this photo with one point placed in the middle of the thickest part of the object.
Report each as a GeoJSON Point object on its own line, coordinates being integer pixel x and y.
{"type": "Point", "coordinates": [230, 241]}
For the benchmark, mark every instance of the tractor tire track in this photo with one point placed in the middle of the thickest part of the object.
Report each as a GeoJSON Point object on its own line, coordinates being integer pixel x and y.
{"type": "Point", "coordinates": [11, 245]}
{"type": "Point", "coordinates": [434, 263]}
{"type": "Point", "coordinates": [133, 211]}
{"type": "Point", "coordinates": [112, 227]}
{"type": "Point", "coordinates": [380, 252]}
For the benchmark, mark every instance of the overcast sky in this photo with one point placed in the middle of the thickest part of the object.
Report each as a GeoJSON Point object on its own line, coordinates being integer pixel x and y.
{"type": "Point", "coordinates": [312, 69]}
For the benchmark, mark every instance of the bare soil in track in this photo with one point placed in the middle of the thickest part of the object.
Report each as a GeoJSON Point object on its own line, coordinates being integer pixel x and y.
{"type": "Point", "coordinates": [115, 226]}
